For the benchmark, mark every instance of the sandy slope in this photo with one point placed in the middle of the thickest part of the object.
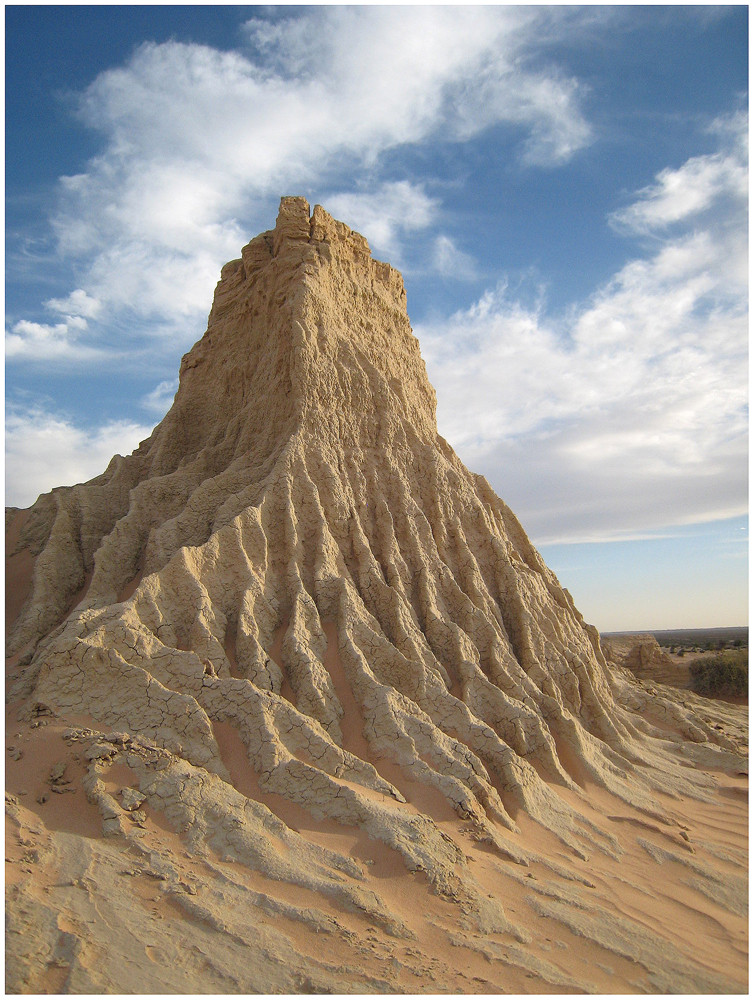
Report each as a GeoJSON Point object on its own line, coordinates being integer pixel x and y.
{"type": "Point", "coordinates": [144, 912]}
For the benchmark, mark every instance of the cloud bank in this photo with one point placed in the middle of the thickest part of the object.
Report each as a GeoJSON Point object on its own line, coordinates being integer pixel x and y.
{"type": "Point", "coordinates": [45, 449]}
{"type": "Point", "coordinates": [630, 414]}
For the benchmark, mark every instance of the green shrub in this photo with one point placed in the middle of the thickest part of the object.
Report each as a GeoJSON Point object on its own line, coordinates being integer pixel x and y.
{"type": "Point", "coordinates": [725, 675]}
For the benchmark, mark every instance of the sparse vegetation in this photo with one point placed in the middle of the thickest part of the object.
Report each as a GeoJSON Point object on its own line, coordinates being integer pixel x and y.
{"type": "Point", "coordinates": [725, 675]}
{"type": "Point", "coordinates": [700, 639]}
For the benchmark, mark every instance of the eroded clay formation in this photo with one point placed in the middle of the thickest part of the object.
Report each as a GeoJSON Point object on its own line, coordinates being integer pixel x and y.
{"type": "Point", "coordinates": [297, 560]}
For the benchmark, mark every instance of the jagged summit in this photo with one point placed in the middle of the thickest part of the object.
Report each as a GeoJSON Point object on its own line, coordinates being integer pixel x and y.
{"type": "Point", "coordinates": [304, 327]}
{"type": "Point", "coordinates": [296, 572]}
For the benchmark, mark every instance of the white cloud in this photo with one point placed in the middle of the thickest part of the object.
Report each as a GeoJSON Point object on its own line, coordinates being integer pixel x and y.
{"type": "Point", "coordinates": [451, 262]}
{"type": "Point", "coordinates": [546, 106]}
{"type": "Point", "coordinates": [43, 342]}
{"type": "Point", "coordinates": [160, 399]}
{"type": "Point", "coordinates": [198, 143]}
{"type": "Point", "coordinates": [78, 303]}
{"type": "Point", "coordinates": [43, 449]}
{"type": "Point", "coordinates": [695, 187]}
{"type": "Point", "coordinates": [390, 75]}
{"type": "Point", "coordinates": [630, 415]}
{"type": "Point", "coordinates": [57, 342]}
{"type": "Point", "coordinates": [392, 210]}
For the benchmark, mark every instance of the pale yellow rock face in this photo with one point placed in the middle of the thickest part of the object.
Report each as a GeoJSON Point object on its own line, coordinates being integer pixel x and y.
{"type": "Point", "coordinates": [297, 562]}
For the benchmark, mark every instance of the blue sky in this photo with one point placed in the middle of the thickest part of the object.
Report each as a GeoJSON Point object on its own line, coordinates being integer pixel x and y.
{"type": "Point", "coordinates": [564, 189]}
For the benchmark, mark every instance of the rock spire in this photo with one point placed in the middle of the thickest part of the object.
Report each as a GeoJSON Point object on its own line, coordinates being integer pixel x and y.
{"type": "Point", "coordinates": [294, 599]}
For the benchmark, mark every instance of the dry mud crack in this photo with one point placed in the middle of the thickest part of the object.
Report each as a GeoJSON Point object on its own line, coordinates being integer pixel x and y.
{"type": "Point", "coordinates": [295, 706]}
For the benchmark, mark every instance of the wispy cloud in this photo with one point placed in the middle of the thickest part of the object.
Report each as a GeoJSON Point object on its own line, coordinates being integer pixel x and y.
{"type": "Point", "coordinates": [160, 399]}
{"type": "Point", "coordinates": [386, 76]}
{"type": "Point", "coordinates": [695, 187]}
{"type": "Point", "coordinates": [450, 262]}
{"type": "Point", "coordinates": [386, 214]}
{"type": "Point", "coordinates": [44, 448]}
{"type": "Point", "coordinates": [629, 415]}
{"type": "Point", "coordinates": [198, 144]}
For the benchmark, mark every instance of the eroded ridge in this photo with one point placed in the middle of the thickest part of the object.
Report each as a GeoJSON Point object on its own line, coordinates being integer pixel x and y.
{"type": "Point", "coordinates": [296, 561]}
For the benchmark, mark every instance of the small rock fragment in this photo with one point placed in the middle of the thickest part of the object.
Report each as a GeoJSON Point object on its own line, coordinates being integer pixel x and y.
{"type": "Point", "coordinates": [57, 771]}
{"type": "Point", "coordinates": [131, 798]}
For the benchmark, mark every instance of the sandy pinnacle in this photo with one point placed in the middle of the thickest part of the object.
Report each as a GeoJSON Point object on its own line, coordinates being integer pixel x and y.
{"type": "Point", "coordinates": [293, 600]}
